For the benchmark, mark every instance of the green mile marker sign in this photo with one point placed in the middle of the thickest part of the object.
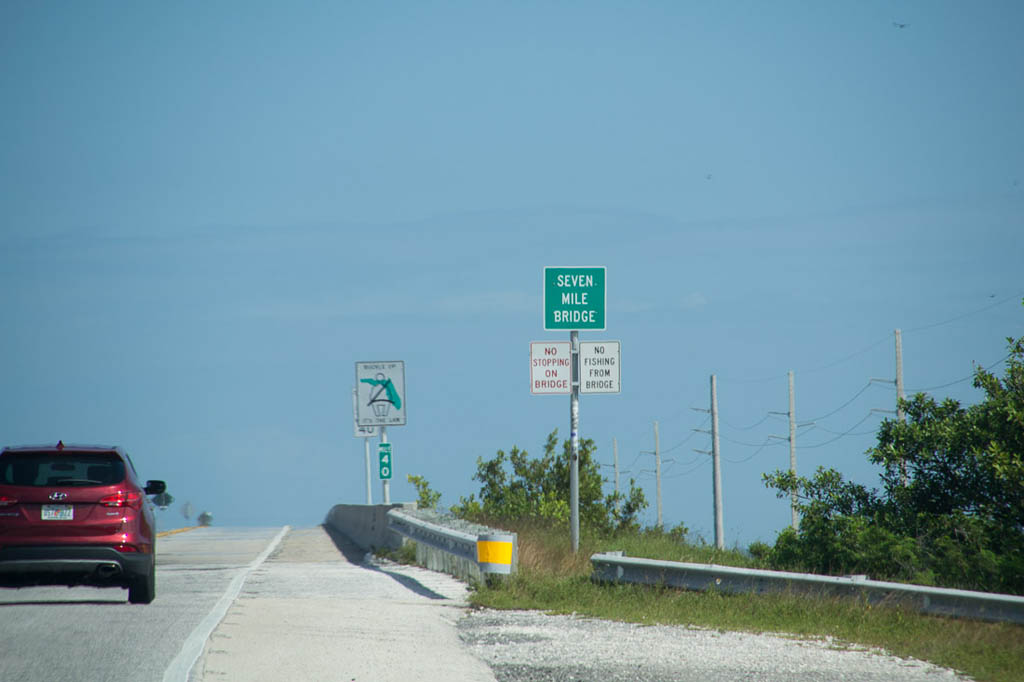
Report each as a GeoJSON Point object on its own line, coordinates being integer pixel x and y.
{"type": "Point", "coordinates": [384, 453]}
{"type": "Point", "coordinates": [574, 298]}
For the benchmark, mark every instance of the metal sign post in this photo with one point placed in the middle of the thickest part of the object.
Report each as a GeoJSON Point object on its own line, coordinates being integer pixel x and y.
{"type": "Point", "coordinates": [364, 432]}
{"type": "Point", "coordinates": [574, 443]}
{"type": "Point", "coordinates": [369, 487]}
{"type": "Point", "coordinates": [574, 299]}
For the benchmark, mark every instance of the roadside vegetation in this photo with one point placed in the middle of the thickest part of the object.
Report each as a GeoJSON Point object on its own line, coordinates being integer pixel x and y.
{"type": "Point", "coordinates": [949, 513]}
{"type": "Point", "coordinates": [552, 579]}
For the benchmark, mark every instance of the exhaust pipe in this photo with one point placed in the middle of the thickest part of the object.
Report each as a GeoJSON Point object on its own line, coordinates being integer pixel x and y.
{"type": "Point", "coordinates": [105, 571]}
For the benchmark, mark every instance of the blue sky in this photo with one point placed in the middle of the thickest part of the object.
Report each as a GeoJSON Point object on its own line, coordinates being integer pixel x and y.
{"type": "Point", "coordinates": [210, 212]}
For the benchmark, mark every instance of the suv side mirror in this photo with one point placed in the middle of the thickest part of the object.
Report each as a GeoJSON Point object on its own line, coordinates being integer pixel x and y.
{"type": "Point", "coordinates": [155, 487]}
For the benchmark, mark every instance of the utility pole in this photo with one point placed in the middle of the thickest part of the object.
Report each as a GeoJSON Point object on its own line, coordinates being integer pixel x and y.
{"type": "Point", "coordinates": [899, 397]}
{"type": "Point", "coordinates": [792, 449]}
{"type": "Point", "coordinates": [900, 417]}
{"type": "Point", "coordinates": [899, 374]}
{"type": "Point", "coordinates": [716, 480]}
{"type": "Point", "coordinates": [574, 441]}
{"type": "Point", "coordinates": [657, 472]}
{"type": "Point", "coordinates": [615, 455]}
{"type": "Point", "coordinates": [719, 533]}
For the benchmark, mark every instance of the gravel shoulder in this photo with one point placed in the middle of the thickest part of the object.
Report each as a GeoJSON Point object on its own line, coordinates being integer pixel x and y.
{"type": "Point", "coordinates": [526, 646]}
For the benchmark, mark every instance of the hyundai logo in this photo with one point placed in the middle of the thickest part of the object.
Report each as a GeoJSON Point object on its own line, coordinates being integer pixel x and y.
{"type": "Point", "coordinates": [58, 496]}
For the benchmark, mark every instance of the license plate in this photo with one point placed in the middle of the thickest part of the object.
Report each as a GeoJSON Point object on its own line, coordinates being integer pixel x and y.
{"type": "Point", "coordinates": [58, 512]}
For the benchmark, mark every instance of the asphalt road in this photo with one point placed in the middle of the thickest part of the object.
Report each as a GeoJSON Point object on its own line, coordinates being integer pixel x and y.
{"type": "Point", "coordinates": [88, 634]}
{"type": "Point", "coordinates": [245, 604]}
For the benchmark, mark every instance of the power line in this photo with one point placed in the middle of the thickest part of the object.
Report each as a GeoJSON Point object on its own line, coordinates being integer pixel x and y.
{"type": "Point", "coordinates": [683, 441]}
{"type": "Point", "coordinates": [845, 433]}
{"type": "Point", "coordinates": [698, 458]}
{"type": "Point", "coordinates": [651, 452]}
{"type": "Point", "coordinates": [820, 368]}
{"type": "Point", "coordinates": [754, 425]}
{"type": "Point", "coordinates": [739, 442]}
{"type": "Point", "coordinates": [824, 416]}
{"type": "Point", "coordinates": [704, 461]}
{"type": "Point", "coordinates": [848, 432]}
{"type": "Point", "coordinates": [960, 381]}
{"type": "Point", "coordinates": [885, 339]}
{"type": "Point", "coordinates": [767, 442]}
{"type": "Point", "coordinates": [848, 357]}
{"type": "Point", "coordinates": [637, 459]}
{"type": "Point", "coordinates": [672, 418]}
{"type": "Point", "coordinates": [960, 317]}
{"type": "Point", "coordinates": [844, 405]}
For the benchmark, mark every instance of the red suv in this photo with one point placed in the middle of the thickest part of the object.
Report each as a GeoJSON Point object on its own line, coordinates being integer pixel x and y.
{"type": "Point", "coordinates": [76, 515]}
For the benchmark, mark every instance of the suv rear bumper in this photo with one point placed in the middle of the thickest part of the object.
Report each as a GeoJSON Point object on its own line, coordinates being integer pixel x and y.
{"type": "Point", "coordinates": [70, 565]}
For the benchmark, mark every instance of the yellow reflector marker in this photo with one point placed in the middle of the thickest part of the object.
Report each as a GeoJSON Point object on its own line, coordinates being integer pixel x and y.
{"type": "Point", "coordinates": [494, 553]}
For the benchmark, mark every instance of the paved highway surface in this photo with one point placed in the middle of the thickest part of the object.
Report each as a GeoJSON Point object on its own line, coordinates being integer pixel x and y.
{"type": "Point", "coordinates": [84, 633]}
{"type": "Point", "coordinates": [319, 617]}
{"type": "Point", "coordinates": [281, 604]}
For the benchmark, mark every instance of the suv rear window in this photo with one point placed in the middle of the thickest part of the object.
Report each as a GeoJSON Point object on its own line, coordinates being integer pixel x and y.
{"type": "Point", "coordinates": [43, 469]}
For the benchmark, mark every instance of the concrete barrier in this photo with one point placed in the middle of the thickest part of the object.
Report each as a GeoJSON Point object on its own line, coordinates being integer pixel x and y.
{"type": "Point", "coordinates": [469, 556]}
{"type": "Point", "coordinates": [366, 524]}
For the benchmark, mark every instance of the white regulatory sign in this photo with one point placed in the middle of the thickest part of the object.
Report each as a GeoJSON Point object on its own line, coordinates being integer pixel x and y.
{"type": "Point", "coordinates": [380, 393]}
{"type": "Point", "coordinates": [600, 367]}
{"type": "Point", "coordinates": [550, 367]}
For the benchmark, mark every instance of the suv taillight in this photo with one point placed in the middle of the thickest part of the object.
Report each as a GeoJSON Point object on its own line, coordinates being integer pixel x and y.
{"type": "Point", "coordinates": [123, 498]}
{"type": "Point", "coordinates": [6, 501]}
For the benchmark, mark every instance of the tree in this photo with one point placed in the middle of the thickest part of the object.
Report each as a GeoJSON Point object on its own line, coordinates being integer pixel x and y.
{"type": "Point", "coordinates": [959, 519]}
{"type": "Point", "coordinates": [426, 497]}
{"type": "Point", "coordinates": [514, 486]}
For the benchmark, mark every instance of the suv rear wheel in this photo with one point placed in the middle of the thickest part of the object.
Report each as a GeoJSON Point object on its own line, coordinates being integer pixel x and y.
{"type": "Point", "coordinates": [142, 588]}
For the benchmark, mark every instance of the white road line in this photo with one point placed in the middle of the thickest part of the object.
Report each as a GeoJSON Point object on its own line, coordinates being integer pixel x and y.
{"type": "Point", "coordinates": [192, 649]}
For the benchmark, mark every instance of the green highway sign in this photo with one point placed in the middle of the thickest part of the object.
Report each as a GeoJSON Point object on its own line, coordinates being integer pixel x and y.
{"type": "Point", "coordinates": [574, 298]}
{"type": "Point", "coordinates": [384, 453]}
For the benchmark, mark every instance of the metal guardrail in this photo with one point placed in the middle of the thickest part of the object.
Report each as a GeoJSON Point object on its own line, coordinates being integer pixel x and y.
{"type": "Point", "coordinates": [492, 552]}
{"type": "Point", "coordinates": [614, 567]}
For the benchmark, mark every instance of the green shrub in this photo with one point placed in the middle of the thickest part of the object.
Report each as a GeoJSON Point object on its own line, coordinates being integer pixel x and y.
{"type": "Point", "coordinates": [951, 508]}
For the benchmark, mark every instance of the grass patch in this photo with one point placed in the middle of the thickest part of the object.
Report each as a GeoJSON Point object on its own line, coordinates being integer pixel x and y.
{"type": "Point", "coordinates": [552, 579]}
{"type": "Point", "coordinates": [406, 554]}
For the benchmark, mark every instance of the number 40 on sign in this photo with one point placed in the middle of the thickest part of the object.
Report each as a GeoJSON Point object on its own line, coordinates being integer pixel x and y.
{"type": "Point", "coordinates": [384, 454]}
